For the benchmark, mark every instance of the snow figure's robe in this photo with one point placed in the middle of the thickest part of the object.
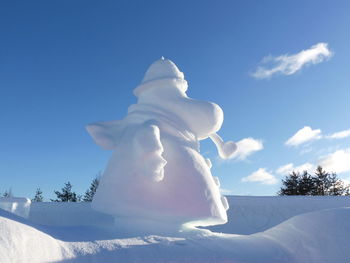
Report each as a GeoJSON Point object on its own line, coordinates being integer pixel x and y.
{"type": "Point", "coordinates": [156, 171]}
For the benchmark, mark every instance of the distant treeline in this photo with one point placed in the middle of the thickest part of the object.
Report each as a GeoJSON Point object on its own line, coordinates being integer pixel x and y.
{"type": "Point", "coordinates": [66, 194]}
{"type": "Point", "coordinates": [320, 183]}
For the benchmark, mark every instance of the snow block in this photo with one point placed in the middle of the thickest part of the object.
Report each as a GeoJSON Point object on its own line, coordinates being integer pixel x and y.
{"type": "Point", "coordinates": [67, 214]}
{"type": "Point", "coordinates": [17, 205]}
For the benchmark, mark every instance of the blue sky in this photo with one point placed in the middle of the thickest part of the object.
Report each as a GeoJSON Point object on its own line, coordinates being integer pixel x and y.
{"type": "Point", "coordinates": [64, 64]}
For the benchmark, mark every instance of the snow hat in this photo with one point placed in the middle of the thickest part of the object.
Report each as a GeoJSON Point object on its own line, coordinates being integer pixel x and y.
{"type": "Point", "coordinates": [162, 72]}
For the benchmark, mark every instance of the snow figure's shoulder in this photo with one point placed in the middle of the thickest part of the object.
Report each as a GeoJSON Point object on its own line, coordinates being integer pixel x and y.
{"type": "Point", "coordinates": [107, 134]}
{"type": "Point", "coordinates": [162, 72]}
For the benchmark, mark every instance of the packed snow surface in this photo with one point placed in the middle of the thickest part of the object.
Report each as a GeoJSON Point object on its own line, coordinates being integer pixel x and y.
{"type": "Point", "coordinates": [295, 229]}
{"type": "Point", "coordinates": [156, 171]}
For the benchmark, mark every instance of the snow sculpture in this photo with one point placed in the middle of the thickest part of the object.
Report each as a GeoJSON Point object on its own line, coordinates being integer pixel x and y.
{"type": "Point", "coordinates": [156, 172]}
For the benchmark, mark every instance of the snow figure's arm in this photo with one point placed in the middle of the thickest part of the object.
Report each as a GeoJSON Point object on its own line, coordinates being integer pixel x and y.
{"type": "Point", "coordinates": [225, 149]}
{"type": "Point", "coordinates": [107, 134]}
{"type": "Point", "coordinates": [148, 151]}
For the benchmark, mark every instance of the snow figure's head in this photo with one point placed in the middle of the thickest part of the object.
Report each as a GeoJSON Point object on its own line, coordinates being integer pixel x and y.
{"type": "Point", "coordinates": [164, 87]}
{"type": "Point", "coordinates": [163, 73]}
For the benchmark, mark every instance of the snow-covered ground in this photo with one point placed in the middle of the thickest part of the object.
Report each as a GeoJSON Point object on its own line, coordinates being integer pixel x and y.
{"type": "Point", "coordinates": [260, 229]}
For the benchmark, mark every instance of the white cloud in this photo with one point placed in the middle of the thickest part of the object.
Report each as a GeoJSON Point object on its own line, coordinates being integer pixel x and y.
{"type": "Point", "coordinates": [304, 135]}
{"type": "Point", "coordinates": [288, 168]}
{"type": "Point", "coordinates": [261, 176]}
{"type": "Point", "coordinates": [338, 162]}
{"type": "Point", "coordinates": [306, 150]}
{"type": "Point", "coordinates": [290, 64]}
{"type": "Point", "coordinates": [285, 169]}
{"type": "Point", "coordinates": [339, 135]}
{"type": "Point", "coordinates": [246, 147]}
{"type": "Point", "coordinates": [305, 167]}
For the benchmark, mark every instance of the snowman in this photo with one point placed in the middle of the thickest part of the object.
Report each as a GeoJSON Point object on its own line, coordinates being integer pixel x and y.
{"type": "Point", "coordinates": [156, 171]}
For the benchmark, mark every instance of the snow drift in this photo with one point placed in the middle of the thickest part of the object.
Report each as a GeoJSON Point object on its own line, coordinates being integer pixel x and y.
{"type": "Point", "coordinates": [303, 236]}
{"type": "Point", "coordinates": [252, 214]}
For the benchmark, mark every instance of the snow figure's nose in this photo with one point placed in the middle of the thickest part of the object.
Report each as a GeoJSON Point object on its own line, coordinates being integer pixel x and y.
{"type": "Point", "coordinates": [162, 72]}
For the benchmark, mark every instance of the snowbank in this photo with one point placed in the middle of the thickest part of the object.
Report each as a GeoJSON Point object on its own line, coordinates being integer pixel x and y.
{"type": "Point", "coordinates": [247, 214]}
{"type": "Point", "coordinates": [321, 236]}
{"type": "Point", "coordinates": [21, 242]}
{"type": "Point", "coordinates": [302, 236]}
{"type": "Point", "coordinates": [252, 214]}
{"type": "Point", "coordinates": [313, 237]}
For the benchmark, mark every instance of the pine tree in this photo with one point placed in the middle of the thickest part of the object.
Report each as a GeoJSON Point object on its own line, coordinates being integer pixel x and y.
{"type": "Point", "coordinates": [321, 181]}
{"type": "Point", "coordinates": [291, 184]}
{"type": "Point", "coordinates": [89, 194]}
{"type": "Point", "coordinates": [66, 195]}
{"type": "Point", "coordinates": [8, 193]}
{"type": "Point", "coordinates": [347, 190]}
{"type": "Point", "coordinates": [337, 186]}
{"type": "Point", "coordinates": [305, 185]}
{"type": "Point", "coordinates": [38, 196]}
